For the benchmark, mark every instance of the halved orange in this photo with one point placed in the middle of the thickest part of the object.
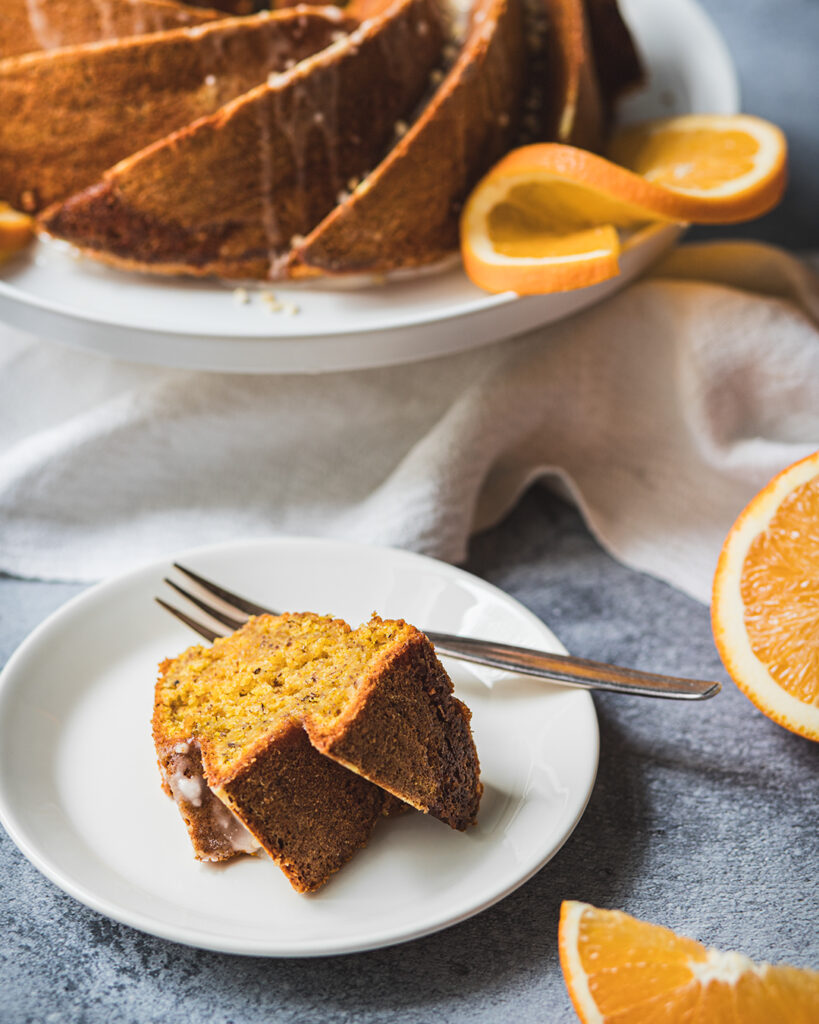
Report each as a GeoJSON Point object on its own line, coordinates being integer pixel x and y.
{"type": "Point", "coordinates": [765, 603]}
{"type": "Point", "coordinates": [550, 217]}
{"type": "Point", "coordinates": [620, 970]}
{"type": "Point", "coordinates": [16, 231]}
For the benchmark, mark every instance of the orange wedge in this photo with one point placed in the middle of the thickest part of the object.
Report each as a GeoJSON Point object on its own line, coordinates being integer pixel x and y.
{"type": "Point", "coordinates": [765, 605]}
{"type": "Point", "coordinates": [619, 970]}
{"type": "Point", "coordinates": [551, 217]}
{"type": "Point", "coordinates": [16, 231]}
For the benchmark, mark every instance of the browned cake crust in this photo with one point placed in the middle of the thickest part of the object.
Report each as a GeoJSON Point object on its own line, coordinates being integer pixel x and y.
{"type": "Point", "coordinates": [405, 214]}
{"type": "Point", "coordinates": [226, 195]}
{"type": "Point", "coordinates": [319, 812]}
{"type": "Point", "coordinates": [591, 60]}
{"type": "Point", "coordinates": [307, 812]}
{"type": "Point", "coordinates": [307, 758]}
{"type": "Point", "coordinates": [405, 717]}
{"type": "Point", "coordinates": [49, 24]}
{"type": "Point", "coordinates": [574, 111]}
{"type": "Point", "coordinates": [71, 114]}
{"type": "Point", "coordinates": [315, 172]}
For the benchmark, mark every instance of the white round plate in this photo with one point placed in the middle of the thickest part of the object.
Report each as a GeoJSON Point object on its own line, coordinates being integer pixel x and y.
{"type": "Point", "coordinates": [199, 325]}
{"type": "Point", "coordinates": [80, 792]}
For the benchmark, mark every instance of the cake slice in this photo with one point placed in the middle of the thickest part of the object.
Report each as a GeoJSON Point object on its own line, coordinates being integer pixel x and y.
{"type": "Point", "coordinates": [574, 112]}
{"type": "Point", "coordinates": [29, 25]}
{"type": "Point", "coordinates": [226, 195]}
{"type": "Point", "coordinates": [405, 213]}
{"type": "Point", "coordinates": [590, 60]}
{"type": "Point", "coordinates": [615, 54]}
{"type": "Point", "coordinates": [293, 732]}
{"type": "Point", "coordinates": [70, 114]}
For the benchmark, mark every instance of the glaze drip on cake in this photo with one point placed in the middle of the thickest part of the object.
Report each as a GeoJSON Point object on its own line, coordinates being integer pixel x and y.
{"type": "Point", "coordinates": [30, 25]}
{"type": "Point", "coordinates": [228, 229]}
{"type": "Point", "coordinates": [134, 91]}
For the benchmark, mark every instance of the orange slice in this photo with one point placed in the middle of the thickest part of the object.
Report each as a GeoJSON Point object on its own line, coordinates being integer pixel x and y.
{"type": "Point", "coordinates": [729, 167]}
{"type": "Point", "coordinates": [16, 231]}
{"type": "Point", "coordinates": [619, 970]}
{"type": "Point", "coordinates": [765, 605]}
{"type": "Point", "coordinates": [551, 217]}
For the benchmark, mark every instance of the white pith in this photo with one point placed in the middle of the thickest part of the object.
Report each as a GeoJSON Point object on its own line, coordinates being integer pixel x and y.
{"type": "Point", "coordinates": [724, 968]}
{"type": "Point", "coordinates": [729, 609]}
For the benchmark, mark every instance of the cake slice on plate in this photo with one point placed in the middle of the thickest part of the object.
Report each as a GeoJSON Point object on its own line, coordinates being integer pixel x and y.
{"type": "Point", "coordinates": [295, 734]}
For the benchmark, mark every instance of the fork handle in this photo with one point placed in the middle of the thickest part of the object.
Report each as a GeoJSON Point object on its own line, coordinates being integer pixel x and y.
{"type": "Point", "coordinates": [560, 668]}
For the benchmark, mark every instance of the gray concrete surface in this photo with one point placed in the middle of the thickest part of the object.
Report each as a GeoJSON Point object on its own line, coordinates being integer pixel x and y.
{"type": "Point", "coordinates": [702, 818]}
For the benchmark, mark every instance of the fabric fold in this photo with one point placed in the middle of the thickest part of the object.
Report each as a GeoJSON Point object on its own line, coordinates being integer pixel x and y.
{"type": "Point", "coordinates": [660, 411]}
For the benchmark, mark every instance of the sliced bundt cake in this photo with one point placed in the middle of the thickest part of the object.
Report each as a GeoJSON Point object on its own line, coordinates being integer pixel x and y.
{"type": "Point", "coordinates": [359, 158]}
{"type": "Point", "coordinates": [70, 115]}
{"type": "Point", "coordinates": [293, 732]}
{"type": "Point", "coordinates": [405, 213]}
{"type": "Point", "coordinates": [227, 194]}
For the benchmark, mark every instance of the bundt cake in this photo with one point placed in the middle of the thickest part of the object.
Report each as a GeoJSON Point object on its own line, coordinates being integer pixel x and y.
{"type": "Point", "coordinates": [296, 733]}
{"type": "Point", "coordinates": [71, 115]}
{"type": "Point", "coordinates": [385, 224]}
{"type": "Point", "coordinates": [227, 194]}
{"type": "Point", "coordinates": [354, 154]}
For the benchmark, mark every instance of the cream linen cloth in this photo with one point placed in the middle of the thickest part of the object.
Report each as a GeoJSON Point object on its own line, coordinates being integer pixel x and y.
{"type": "Point", "coordinates": [660, 411]}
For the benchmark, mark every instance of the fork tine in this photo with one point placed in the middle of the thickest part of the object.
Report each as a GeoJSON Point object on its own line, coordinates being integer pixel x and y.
{"type": "Point", "coordinates": [197, 627]}
{"type": "Point", "coordinates": [235, 600]}
{"type": "Point", "coordinates": [220, 616]}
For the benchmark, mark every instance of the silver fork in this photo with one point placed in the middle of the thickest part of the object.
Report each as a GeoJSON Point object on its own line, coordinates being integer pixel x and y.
{"type": "Point", "coordinates": [557, 668]}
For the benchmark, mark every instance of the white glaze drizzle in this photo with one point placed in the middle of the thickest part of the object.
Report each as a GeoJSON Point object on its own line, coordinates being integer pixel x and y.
{"type": "Point", "coordinates": [45, 31]}
{"type": "Point", "coordinates": [187, 788]}
{"type": "Point", "coordinates": [270, 220]}
{"type": "Point", "coordinates": [234, 832]}
{"type": "Point", "coordinates": [188, 785]}
{"type": "Point", "coordinates": [108, 25]}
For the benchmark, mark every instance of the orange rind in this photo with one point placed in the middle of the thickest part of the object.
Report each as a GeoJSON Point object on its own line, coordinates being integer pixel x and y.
{"type": "Point", "coordinates": [620, 970]}
{"type": "Point", "coordinates": [549, 217]}
{"type": "Point", "coordinates": [765, 604]}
